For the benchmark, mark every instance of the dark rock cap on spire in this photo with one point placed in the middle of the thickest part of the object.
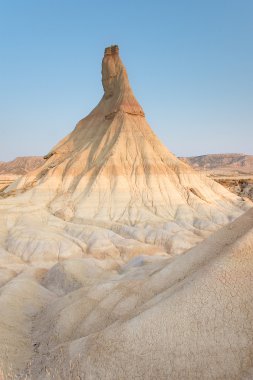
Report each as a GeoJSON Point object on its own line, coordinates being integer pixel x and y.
{"type": "Point", "coordinates": [113, 49]}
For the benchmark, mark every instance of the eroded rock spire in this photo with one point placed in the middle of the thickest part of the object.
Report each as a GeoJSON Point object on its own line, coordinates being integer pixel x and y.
{"type": "Point", "coordinates": [118, 94]}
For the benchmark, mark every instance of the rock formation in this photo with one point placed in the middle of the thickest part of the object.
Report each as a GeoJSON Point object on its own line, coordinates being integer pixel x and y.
{"type": "Point", "coordinates": [113, 171]}
{"type": "Point", "coordinates": [111, 190]}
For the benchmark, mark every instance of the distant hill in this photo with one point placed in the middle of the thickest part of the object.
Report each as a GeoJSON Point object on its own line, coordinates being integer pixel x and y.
{"type": "Point", "coordinates": [234, 171]}
{"type": "Point", "coordinates": [232, 163]}
{"type": "Point", "coordinates": [21, 165]}
{"type": "Point", "coordinates": [11, 170]}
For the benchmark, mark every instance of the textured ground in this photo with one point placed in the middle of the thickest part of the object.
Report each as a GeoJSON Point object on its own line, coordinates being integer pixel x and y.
{"type": "Point", "coordinates": [240, 185]}
{"type": "Point", "coordinates": [185, 317]}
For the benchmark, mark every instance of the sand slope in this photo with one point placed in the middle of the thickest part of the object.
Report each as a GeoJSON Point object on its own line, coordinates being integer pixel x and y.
{"type": "Point", "coordinates": [189, 317]}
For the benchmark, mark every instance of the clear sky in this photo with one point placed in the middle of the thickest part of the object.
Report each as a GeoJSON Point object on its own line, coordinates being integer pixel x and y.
{"type": "Point", "coordinates": [190, 64]}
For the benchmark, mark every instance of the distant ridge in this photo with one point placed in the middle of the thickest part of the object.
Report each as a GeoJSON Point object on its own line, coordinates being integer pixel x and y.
{"type": "Point", "coordinates": [233, 162]}
{"type": "Point", "coordinates": [21, 165]}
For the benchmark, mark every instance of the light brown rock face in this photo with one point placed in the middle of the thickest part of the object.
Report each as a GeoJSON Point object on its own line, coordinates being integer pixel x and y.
{"type": "Point", "coordinates": [118, 95]}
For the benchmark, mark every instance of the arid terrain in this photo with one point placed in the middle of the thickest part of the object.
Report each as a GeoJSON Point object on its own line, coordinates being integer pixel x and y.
{"type": "Point", "coordinates": [234, 171]}
{"type": "Point", "coordinates": [120, 261]}
{"type": "Point", "coordinates": [10, 171]}
{"type": "Point", "coordinates": [220, 164]}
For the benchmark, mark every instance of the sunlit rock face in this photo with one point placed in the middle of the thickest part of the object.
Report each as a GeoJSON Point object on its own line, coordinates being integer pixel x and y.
{"type": "Point", "coordinates": [113, 172]}
{"type": "Point", "coordinates": [101, 273]}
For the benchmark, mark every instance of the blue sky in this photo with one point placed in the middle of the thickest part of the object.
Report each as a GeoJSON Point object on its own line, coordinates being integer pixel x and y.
{"type": "Point", "coordinates": [190, 64]}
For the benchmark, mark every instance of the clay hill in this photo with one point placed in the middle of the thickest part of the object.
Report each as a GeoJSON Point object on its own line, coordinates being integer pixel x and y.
{"type": "Point", "coordinates": [113, 169]}
{"type": "Point", "coordinates": [223, 164]}
{"type": "Point", "coordinates": [120, 261]}
{"type": "Point", "coordinates": [21, 165]}
{"type": "Point", "coordinates": [10, 171]}
{"type": "Point", "coordinates": [234, 171]}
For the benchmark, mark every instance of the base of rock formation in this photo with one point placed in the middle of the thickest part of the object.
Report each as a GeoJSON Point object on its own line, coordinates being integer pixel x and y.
{"type": "Point", "coordinates": [182, 317]}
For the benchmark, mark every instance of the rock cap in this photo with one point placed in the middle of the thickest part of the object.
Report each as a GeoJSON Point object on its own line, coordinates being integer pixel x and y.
{"type": "Point", "coordinates": [113, 49]}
